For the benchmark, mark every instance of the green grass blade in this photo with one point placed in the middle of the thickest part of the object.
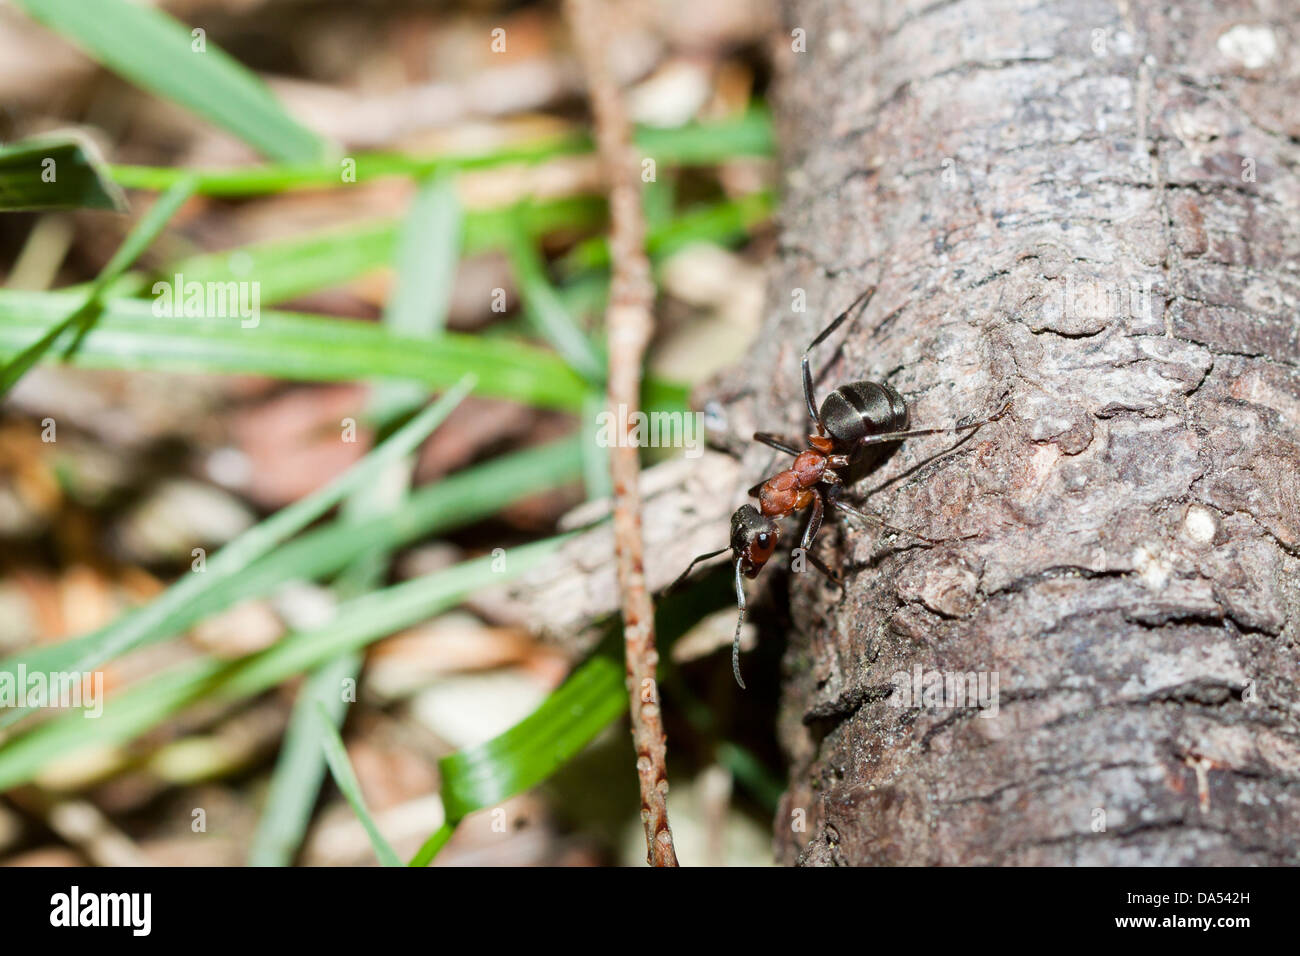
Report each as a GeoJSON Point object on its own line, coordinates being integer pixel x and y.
{"type": "Point", "coordinates": [341, 769]}
{"type": "Point", "coordinates": [532, 749]}
{"type": "Point", "coordinates": [148, 229]}
{"type": "Point", "coordinates": [547, 314]}
{"type": "Point", "coordinates": [595, 456]}
{"type": "Point", "coordinates": [747, 135]}
{"type": "Point", "coordinates": [724, 223]}
{"type": "Point", "coordinates": [659, 200]}
{"type": "Point", "coordinates": [433, 845]}
{"type": "Point", "coordinates": [427, 255]}
{"type": "Point", "coordinates": [570, 718]}
{"type": "Point", "coordinates": [594, 695]}
{"type": "Point", "coordinates": [356, 624]}
{"type": "Point", "coordinates": [295, 347]}
{"type": "Point", "coordinates": [262, 180]}
{"type": "Point", "coordinates": [703, 144]}
{"type": "Point", "coordinates": [286, 268]}
{"type": "Point", "coordinates": [296, 266]}
{"type": "Point", "coordinates": [161, 615]}
{"type": "Point", "coordinates": [300, 768]}
{"type": "Point", "coordinates": [305, 348]}
{"type": "Point", "coordinates": [87, 311]}
{"type": "Point", "coordinates": [752, 775]}
{"type": "Point", "coordinates": [418, 306]}
{"type": "Point", "coordinates": [156, 52]}
{"type": "Point", "coordinates": [456, 501]}
{"type": "Point", "coordinates": [80, 177]}
{"type": "Point", "coordinates": [426, 261]}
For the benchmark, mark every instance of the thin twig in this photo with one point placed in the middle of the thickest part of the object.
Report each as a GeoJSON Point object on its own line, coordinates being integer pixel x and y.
{"type": "Point", "coordinates": [629, 324]}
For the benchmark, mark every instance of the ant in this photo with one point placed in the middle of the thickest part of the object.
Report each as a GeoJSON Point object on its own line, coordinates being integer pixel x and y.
{"type": "Point", "coordinates": [853, 419]}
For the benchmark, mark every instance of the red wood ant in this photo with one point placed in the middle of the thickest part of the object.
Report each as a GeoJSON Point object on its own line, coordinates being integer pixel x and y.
{"type": "Point", "coordinates": [852, 423]}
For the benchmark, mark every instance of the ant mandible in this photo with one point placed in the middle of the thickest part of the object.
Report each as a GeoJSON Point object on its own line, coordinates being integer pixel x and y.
{"type": "Point", "coordinates": [853, 418]}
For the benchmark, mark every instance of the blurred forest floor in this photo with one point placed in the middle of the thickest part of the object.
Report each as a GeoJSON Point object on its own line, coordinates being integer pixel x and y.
{"type": "Point", "coordinates": [150, 465]}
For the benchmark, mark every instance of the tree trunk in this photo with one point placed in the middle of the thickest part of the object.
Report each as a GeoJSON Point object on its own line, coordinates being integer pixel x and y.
{"type": "Point", "coordinates": [1093, 209]}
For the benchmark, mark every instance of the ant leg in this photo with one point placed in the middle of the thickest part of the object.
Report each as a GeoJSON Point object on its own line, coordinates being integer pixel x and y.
{"type": "Point", "coordinates": [775, 441]}
{"type": "Point", "coordinates": [689, 568]}
{"type": "Point", "coordinates": [814, 522]}
{"type": "Point", "coordinates": [810, 533]}
{"type": "Point", "coordinates": [740, 622]}
{"type": "Point", "coordinates": [836, 322]}
{"type": "Point", "coordinates": [960, 426]}
{"type": "Point", "coordinates": [820, 565]}
{"type": "Point", "coordinates": [876, 520]}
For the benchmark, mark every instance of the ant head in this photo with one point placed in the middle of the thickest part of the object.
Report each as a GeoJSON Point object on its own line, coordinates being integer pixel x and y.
{"type": "Point", "coordinates": [753, 539]}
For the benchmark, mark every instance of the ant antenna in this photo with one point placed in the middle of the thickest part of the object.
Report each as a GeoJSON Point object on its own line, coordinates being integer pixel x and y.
{"type": "Point", "coordinates": [689, 568]}
{"type": "Point", "coordinates": [735, 642]}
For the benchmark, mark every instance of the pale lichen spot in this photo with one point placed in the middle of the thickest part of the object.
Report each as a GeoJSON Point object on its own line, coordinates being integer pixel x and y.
{"type": "Point", "coordinates": [1199, 525]}
{"type": "Point", "coordinates": [1251, 45]}
{"type": "Point", "coordinates": [1153, 570]}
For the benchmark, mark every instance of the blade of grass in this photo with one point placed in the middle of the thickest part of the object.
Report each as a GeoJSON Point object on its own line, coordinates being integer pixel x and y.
{"type": "Point", "coordinates": [456, 501]}
{"type": "Point", "coordinates": [546, 312]}
{"type": "Point", "coordinates": [286, 268]}
{"type": "Point", "coordinates": [357, 623]}
{"type": "Point", "coordinates": [341, 770]}
{"type": "Point", "coordinates": [299, 769]}
{"type": "Point", "coordinates": [531, 750]}
{"type": "Point", "coordinates": [149, 227]}
{"type": "Point", "coordinates": [723, 223]}
{"type": "Point", "coordinates": [593, 696]}
{"type": "Point", "coordinates": [433, 846]}
{"type": "Point", "coordinates": [426, 260]}
{"type": "Point", "coordinates": [595, 455]}
{"type": "Point", "coordinates": [305, 348]}
{"type": "Point", "coordinates": [703, 144]}
{"type": "Point", "coordinates": [162, 55]}
{"type": "Point", "coordinates": [160, 616]}
{"type": "Point", "coordinates": [296, 347]}
{"type": "Point", "coordinates": [746, 135]}
{"type": "Point", "coordinates": [84, 315]}
{"type": "Point", "coordinates": [80, 179]}
{"type": "Point", "coordinates": [426, 264]}
{"type": "Point", "coordinates": [365, 167]}
{"type": "Point", "coordinates": [659, 200]}
{"type": "Point", "coordinates": [300, 766]}
{"type": "Point", "coordinates": [527, 753]}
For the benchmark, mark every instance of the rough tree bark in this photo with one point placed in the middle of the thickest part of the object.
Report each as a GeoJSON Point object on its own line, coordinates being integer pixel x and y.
{"type": "Point", "coordinates": [1093, 207]}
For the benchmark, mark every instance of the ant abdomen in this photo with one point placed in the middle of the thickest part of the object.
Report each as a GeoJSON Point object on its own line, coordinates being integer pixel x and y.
{"type": "Point", "coordinates": [854, 411]}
